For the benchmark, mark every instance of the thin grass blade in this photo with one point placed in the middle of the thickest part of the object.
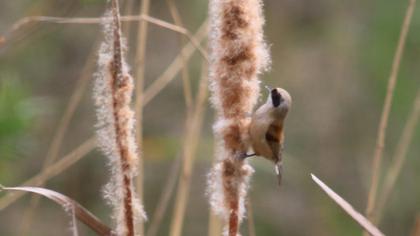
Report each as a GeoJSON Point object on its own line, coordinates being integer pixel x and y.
{"type": "Point", "coordinates": [359, 218]}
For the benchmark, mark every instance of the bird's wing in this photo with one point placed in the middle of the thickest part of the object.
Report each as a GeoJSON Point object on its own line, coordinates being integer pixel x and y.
{"type": "Point", "coordinates": [274, 137]}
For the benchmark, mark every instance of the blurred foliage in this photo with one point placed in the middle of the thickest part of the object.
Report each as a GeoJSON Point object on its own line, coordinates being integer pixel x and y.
{"type": "Point", "coordinates": [16, 115]}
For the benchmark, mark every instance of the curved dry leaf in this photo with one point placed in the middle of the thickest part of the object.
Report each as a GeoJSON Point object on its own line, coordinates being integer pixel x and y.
{"type": "Point", "coordinates": [69, 204]}
{"type": "Point", "coordinates": [359, 218]}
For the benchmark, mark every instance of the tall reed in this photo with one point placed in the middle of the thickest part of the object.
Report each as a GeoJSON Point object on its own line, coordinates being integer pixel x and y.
{"type": "Point", "coordinates": [383, 123]}
{"type": "Point", "coordinates": [112, 93]}
{"type": "Point", "coordinates": [238, 55]}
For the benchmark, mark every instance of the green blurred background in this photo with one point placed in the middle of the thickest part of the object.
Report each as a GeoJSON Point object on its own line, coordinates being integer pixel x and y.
{"type": "Point", "coordinates": [334, 57]}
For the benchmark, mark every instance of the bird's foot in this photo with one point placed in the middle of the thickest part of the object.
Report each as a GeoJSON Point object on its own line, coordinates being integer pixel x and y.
{"type": "Point", "coordinates": [243, 156]}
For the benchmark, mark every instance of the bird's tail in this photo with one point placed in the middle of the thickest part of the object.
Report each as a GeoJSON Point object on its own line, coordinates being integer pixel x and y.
{"type": "Point", "coordinates": [279, 170]}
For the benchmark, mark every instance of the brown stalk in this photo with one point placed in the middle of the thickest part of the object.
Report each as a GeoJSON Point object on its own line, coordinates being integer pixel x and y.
{"type": "Point", "coordinates": [140, 71]}
{"type": "Point", "coordinates": [399, 157]}
{"type": "Point", "coordinates": [383, 123]}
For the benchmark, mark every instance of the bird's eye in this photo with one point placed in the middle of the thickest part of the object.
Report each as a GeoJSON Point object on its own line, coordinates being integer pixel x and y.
{"type": "Point", "coordinates": [276, 98]}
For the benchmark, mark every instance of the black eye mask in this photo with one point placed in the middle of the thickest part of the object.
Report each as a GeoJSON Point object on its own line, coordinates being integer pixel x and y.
{"type": "Point", "coordinates": [276, 98]}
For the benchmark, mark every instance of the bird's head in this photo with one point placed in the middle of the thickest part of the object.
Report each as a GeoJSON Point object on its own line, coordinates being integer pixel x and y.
{"type": "Point", "coordinates": [280, 100]}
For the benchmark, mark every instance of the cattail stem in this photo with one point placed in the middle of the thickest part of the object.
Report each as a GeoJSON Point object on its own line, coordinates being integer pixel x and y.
{"type": "Point", "coordinates": [238, 55]}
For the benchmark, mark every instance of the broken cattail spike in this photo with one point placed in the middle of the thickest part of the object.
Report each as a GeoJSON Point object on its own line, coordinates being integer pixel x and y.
{"type": "Point", "coordinates": [117, 55]}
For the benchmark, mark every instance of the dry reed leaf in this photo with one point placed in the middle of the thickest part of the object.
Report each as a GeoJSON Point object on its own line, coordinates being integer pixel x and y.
{"type": "Point", "coordinates": [69, 205]}
{"type": "Point", "coordinates": [359, 218]}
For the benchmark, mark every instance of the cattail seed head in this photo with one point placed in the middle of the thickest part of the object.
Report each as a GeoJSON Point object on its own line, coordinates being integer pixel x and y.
{"type": "Point", "coordinates": [237, 55]}
{"type": "Point", "coordinates": [112, 94]}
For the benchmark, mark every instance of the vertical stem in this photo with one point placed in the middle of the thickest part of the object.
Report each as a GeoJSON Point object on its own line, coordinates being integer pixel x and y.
{"type": "Point", "coordinates": [128, 10]}
{"type": "Point", "coordinates": [193, 129]}
{"type": "Point", "coordinates": [185, 76]}
{"type": "Point", "coordinates": [215, 225]}
{"type": "Point", "coordinates": [399, 157]}
{"type": "Point", "coordinates": [165, 196]}
{"type": "Point", "coordinates": [380, 143]}
{"type": "Point", "coordinates": [140, 72]}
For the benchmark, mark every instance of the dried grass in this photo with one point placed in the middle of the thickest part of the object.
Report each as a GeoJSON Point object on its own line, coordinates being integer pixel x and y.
{"type": "Point", "coordinates": [383, 123]}
{"type": "Point", "coordinates": [192, 136]}
{"type": "Point", "coordinates": [359, 218]}
{"type": "Point", "coordinates": [167, 191]}
{"type": "Point", "coordinates": [71, 206]}
{"type": "Point", "coordinates": [140, 71]}
{"type": "Point", "coordinates": [399, 158]}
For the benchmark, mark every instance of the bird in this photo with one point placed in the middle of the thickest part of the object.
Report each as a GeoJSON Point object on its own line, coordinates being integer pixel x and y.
{"type": "Point", "coordinates": [266, 129]}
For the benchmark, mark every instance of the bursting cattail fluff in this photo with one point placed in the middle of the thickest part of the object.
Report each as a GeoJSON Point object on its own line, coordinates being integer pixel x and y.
{"type": "Point", "coordinates": [237, 55]}
{"type": "Point", "coordinates": [112, 94]}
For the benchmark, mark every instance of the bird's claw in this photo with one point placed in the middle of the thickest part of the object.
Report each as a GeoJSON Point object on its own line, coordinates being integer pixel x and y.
{"type": "Point", "coordinates": [245, 155]}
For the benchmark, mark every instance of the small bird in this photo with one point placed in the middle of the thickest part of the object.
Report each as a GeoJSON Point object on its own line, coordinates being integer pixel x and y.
{"type": "Point", "coordinates": [266, 128]}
